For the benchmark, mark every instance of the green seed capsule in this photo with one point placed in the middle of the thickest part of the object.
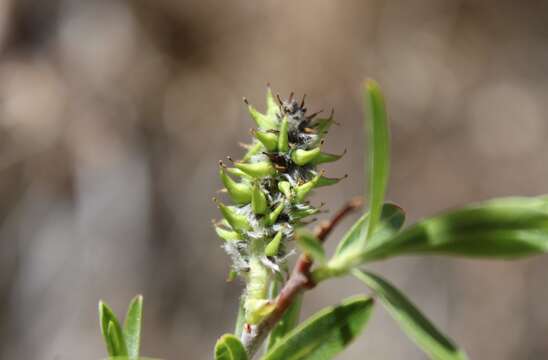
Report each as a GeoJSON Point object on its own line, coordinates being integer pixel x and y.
{"type": "Point", "coordinates": [300, 214]}
{"type": "Point", "coordinates": [253, 150]}
{"type": "Point", "coordinates": [323, 158]}
{"type": "Point", "coordinates": [273, 246]}
{"type": "Point", "coordinates": [302, 157]}
{"type": "Point", "coordinates": [226, 235]}
{"type": "Point", "coordinates": [258, 200]}
{"type": "Point", "coordinates": [283, 142]}
{"type": "Point", "coordinates": [239, 192]}
{"type": "Point", "coordinates": [272, 107]}
{"type": "Point", "coordinates": [273, 216]}
{"type": "Point", "coordinates": [285, 188]}
{"type": "Point", "coordinates": [268, 139]}
{"type": "Point", "coordinates": [263, 121]}
{"type": "Point", "coordinates": [258, 169]}
{"type": "Point", "coordinates": [302, 190]}
{"type": "Point", "coordinates": [236, 221]}
{"type": "Point", "coordinates": [238, 172]}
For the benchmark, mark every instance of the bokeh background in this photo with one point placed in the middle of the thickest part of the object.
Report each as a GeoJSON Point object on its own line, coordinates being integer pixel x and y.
{"type": "Point", "coordinates": [113, 115]}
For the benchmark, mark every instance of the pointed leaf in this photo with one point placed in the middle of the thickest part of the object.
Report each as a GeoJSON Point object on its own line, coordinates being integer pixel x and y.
{"type": "Point", "coordinates": [240, 319]}
{"type": "Point", "coordinates": [132, 326]}
{"type": "Point", "coordinates": [411, 320]}
{"type": "Point", "coordinates": [379, 151]}
{"type": "Point", "coordinates": [349, 252]}
{"type": "Point", "coordinates": [229, 347]}
{"type": "Point", "coordinates": [326, 333]}
{"type": "Point", "coordinates": [310, 245]}
{"type": "Point", "coordinates": [503, 228]}
{"type": "Point", "coordinates": [114, 338]}
{"type": "Point", "coordinates": [354, 236]}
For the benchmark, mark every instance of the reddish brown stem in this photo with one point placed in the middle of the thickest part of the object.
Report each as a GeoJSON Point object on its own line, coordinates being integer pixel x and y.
{"type": "Point", "coordinates": [298, 282]}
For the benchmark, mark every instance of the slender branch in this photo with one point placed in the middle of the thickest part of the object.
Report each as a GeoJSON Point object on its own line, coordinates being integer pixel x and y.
{"type": "Point", "coordinates": [299, 281]}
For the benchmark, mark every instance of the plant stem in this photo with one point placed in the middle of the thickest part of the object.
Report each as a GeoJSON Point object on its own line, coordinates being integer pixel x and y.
{"type": "Point", "coordinates": [299, 281]}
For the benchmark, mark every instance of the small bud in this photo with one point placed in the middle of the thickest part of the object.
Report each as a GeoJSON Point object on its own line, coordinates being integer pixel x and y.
{"type": "Point", "coordinates": [263, 121]}
{"type": "Point", "coordinates": [273, 246]}
{"type": "Point", "coordinates": [283, 142]}
{"type": "Point", "coordinates": [285, 188]}
{"type": "Point", "coordinates": [268, 139]}
{"type": "Point", "coordinates": [236, 221]}
{"type": "Point", "coordinates": [258, 200]}
{"type": "Point", "coordinates": [239, 192]}
{"type": "Point", "coordinates": [273, 216]}
{"type": "Point", "coordinates": [258, 169]}
{"type": "Point", "coordinates": [302, 157]}
{"type": "Point", "coordinates": [302, 190]}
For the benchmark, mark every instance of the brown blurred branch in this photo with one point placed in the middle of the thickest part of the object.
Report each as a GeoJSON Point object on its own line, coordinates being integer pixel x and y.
{"type": "Point", "coordinates": [298, 282]}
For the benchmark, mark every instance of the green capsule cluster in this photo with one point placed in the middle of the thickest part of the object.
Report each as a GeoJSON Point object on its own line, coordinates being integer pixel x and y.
{"type": "Point", "coordinates": [269, 188]}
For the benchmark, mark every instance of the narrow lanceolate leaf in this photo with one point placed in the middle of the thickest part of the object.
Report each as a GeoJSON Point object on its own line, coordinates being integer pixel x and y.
{"type": "Point", "coordinates": [379, 151]}
{"type": "Point", "coordinates": [229, 347]}
{"type": "Point", "coordinates": [353, 237]}
{"type": "Point", "coordinates": [240, 319]}
{"type": "Point", "coordinates": [326, 333]}
{"type": "Point", "coordinates": [501, 228]}
{"type": "Point", "coordinates": [349, 250]}
{"type": "Point", "coordinates": [411, 320]}
{"type": "Point", "coordinates": [132, 327]}
{"type": "Point", "coordinates": [114, 338]}
{"type": "Point", "coordinates": [310, 245]}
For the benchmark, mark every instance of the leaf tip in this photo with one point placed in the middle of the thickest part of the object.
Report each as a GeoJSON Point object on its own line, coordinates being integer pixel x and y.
{"type": "Point", "coordinates": [371, 85]}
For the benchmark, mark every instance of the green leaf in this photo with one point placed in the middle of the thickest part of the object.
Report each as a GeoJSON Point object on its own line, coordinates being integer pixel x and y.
{"type": "Point", "coordinates": [353, 237]}
{"type": "Point", "coordinates": [240, 319]}
{"type": "Point", "coordinates": [379, 151]}
{"type": "Point", "coordinates": [229, 347]}
{"type": "Point", "coordinates": [349, 252]}
{"type": "Point", "coordinates": [326, 333]}
{"type": "Point", "coordinates": [115, 339]}
{"type": "Point", "coordinates": [111, 330]}
{"type": "Point", "coordinates": [502, 228]}
{"type": "Point", "coordinates": [411, 320]}
{"type": "Point", "coordinates": [392, 220]}
{"type": "Point", "coordinates": [132, 326]}
{"type": "Point", "coordinates": [310, 245]}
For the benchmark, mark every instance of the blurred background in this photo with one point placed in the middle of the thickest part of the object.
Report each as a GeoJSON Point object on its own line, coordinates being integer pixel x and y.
{"type": "Point", "coordinates": [113, 115]}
